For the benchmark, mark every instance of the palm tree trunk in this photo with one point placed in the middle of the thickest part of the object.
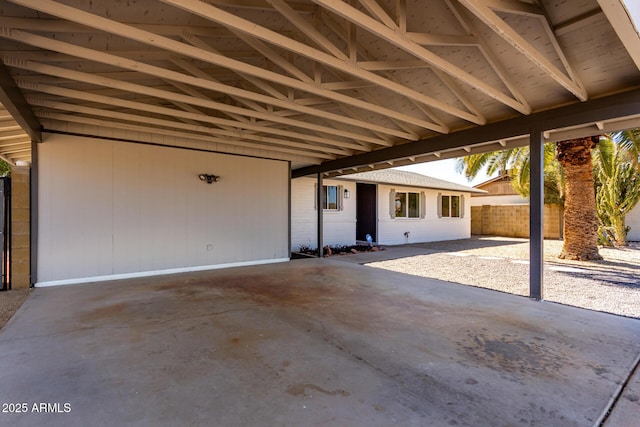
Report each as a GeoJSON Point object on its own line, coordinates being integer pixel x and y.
{"type": "Point", "coordinates": [580, 219]}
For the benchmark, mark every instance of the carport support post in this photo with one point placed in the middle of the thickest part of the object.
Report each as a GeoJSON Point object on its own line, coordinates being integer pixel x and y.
{"type": "Point", "coordinates": [536, 214]}
{"type": "Point", "coordinates": [320, 212]}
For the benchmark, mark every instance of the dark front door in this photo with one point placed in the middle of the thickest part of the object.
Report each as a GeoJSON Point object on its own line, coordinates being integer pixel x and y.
{"type": "Point", "coordinates": [366, 211]}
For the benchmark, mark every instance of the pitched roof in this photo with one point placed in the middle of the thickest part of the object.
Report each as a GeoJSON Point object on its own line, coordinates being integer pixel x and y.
{"type": "Point", "coordinates": [501, 177]}
{"type": "Point", "coordinates": [409, 179]}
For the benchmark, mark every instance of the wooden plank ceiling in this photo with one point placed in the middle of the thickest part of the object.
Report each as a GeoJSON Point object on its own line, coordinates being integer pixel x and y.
{"type": "Point", "coordinates": [310, 81]}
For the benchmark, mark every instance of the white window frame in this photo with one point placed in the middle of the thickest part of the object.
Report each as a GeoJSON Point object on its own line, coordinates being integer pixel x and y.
{"type": "Point", "coordinates": [393, 199]}
{"type": "Point", "coordinates": [325, 203]}
{"type": "Point", "coordinates": [450, 198]}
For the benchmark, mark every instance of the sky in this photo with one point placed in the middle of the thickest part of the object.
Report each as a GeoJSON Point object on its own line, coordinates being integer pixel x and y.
{"type": "Point", "coordinates": [444, 169]}
{"type": "Point", "coordinates": [633, 6]}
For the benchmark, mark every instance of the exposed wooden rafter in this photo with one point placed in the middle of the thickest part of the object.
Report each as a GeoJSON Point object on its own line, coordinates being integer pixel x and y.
{"type": "Point", "coordinates": [311, 81]}
{"type": "Point", "coordinates": [13, 101]}
{"type": "Point", "coordinates": [401, 41]}
{"type": "Point", "coordinates": [181, 77]}
{"type": "Point", "coordinates": [484, 10]}
{"type": "Point", "coordinates": [231, 21]}
{"type": "Point", "coordinates": [179, 48]}
{"type": "Point", "coordinates": [624, 26]}
{"type": "Point", "coordinates": [169, 112]}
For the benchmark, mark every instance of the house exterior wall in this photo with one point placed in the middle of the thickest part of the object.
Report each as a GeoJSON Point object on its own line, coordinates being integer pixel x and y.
{"type": "Point", "coordinates": [110, 209]}
{"type": "Point", "coordinates": [633, 220]}
{"type": "Point", "coordinates": [339, 226]}
{"type": "Point", "coordinates": [428, 229]}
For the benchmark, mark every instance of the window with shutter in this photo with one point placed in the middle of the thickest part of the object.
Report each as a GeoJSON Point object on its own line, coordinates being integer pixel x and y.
{"type": "Point", "coordinates": [392, 203]}
{"type": "Point", "coordinates": [331, 197]}
{"type": "Point", "coordinates": [450, 206]}
{"type": "Point", "coordinates": [406, 205]}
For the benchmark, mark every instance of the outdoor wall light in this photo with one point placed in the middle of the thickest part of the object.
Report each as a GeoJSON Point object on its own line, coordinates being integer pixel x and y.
{"type": "Point", "coordinates": [209, 179]}
{"type": "Point", "coordinates": [347, 193]}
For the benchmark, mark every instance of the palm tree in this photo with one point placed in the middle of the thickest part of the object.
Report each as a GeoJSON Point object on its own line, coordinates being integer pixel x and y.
{"type": "Point", "coordinates": [516, 162]}
{"type": "Point", "coordinates": [5, 168]}
{"type": "Point", "coordinates": [618, 185]}
{"type": "Point", "coordinates": [553, 175]}
{"type": "Point", "coordinates": [629, 141]}
{"type": "Point", "coordinates": [574, 156]}
{"type": "Point", "coordinates": [580, 217]}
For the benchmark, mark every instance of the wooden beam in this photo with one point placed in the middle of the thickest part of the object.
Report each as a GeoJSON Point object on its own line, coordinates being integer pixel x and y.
{"type": "Point", "coordinates": [392, 65]}
{"type": "Point", "coordinates": [498, 67]}
{"type": "Point", "coordinates": [375, 9]}
{"type": "Point", "coordinates": [482, 10]}
{"type": "Point", "coordinates": [116, 102]}
{"type": "Point", "coordinates": [159, 131]}
{"type": "Point", "coordinates": [135, 118]}
{"type": "Point", "coordinates": [400, 40]}
{"type": "Point", "coordinates": [623, 24]}
{"type": "Point", "coordinates": [579, 21]}
{"type": "Point", "coordinates": [516, 7]}
{"type": "Point", "coordinates": [260, 5]}
{"type": "Point", "coordinates": [601, 109]}
{"type": "Point", "coordinates": [341, 29]}
{"type": "Point", "coordinates": [163, 73]}
{"type": "Point", "coordinates": [13, 101]}
{"type": "Point", "coordinates": [442, 39]}
{"type": "Point", "coordinates": [401, 15]}
{"type": "Point", "coordinates": [306, 28]}
{"type": "Point", "coordinates": [133, 33]}
{"type": "Point", "coordinates": [232, 21]}
{"type": "Point", "coordinates": [199, 72]}
{"type": "Point", "coordinates": [163, 94]}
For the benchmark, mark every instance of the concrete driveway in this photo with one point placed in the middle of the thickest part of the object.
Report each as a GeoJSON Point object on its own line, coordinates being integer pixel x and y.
{"type": "Point", "coordinates": [308, 343]}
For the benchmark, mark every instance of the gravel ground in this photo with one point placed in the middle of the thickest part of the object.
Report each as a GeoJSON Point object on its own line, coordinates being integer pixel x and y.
{"type": "Point", "coordinates": [611, 285]}
{"type": "Point", "coordinates": [11, 301]}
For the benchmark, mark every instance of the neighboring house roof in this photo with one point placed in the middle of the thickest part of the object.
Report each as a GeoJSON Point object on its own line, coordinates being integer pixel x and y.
{"type": "Point", "coordinates": [409, 179]}
{"type": "Point", "coordinates": [497, 186]}
{"type": "Point", "coordinates": [499, 178]}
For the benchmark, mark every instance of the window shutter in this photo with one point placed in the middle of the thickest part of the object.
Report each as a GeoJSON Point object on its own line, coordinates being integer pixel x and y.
{"type": "Point", "coordinates": [461, 206]}
{"type": "Point", "coordinates": [439, 205]}
{"type": "Point", "coordinates": [340, 197]}
{"type": "Point", "coordinates": [392, 203]}
{"type": "Point", "coordinates": [423, 205]}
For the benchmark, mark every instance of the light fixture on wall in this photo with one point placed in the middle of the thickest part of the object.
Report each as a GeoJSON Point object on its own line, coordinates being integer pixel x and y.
{"type": "Point", "coordinates": [347, 193]}
{"type": "Point", "coordinates": [209, 179]}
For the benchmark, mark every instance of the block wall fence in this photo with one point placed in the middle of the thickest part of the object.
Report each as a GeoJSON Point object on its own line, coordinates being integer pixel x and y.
{"type": "Point", "coordinates": [513, 221]}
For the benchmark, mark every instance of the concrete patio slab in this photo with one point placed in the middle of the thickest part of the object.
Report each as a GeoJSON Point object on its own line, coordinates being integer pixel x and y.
{"type": "Point", "coordinates": [307, 343]}
{"type": "Point", "coordinates": [627, 407]}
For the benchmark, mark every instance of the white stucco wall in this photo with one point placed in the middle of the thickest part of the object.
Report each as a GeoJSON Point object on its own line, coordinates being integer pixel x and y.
{"type": "Point", "coordinates": [112, 209]}
{"type": "Point", "coordinates": [633, 221]}
{"type": "Point", "coordinates": [430, 228]}
{"type": "Point", "coordinates": [339, 226]}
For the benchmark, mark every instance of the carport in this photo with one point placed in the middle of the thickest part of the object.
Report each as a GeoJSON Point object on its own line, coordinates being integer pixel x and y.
{"type": "Point", "coordinates": [164, 135]}
{"type": "Point", "coordinates": [321, 87]}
